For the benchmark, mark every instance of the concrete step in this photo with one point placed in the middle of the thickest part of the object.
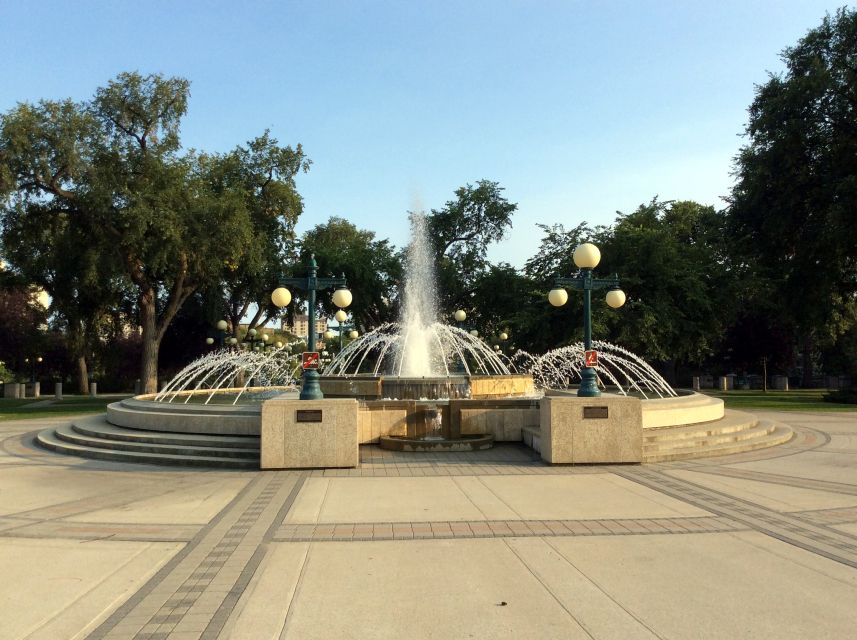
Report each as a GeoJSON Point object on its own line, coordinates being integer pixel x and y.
{"type": "Point", "coordinates": [731, 422]}
{"type": "Point", "coordinates": [765, 437]}
{"type": "Point", "coordinates": [756, 430]}
{"type": "Point", "coordinates": [49, 440]}
{"type": "Point", "coordinates": [69, 433]}
{"type": "Point", "coordinates": [98, 427]}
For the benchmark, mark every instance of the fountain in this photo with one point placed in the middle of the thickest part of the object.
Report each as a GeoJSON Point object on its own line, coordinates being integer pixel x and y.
{"type": "Point", "coordinates": [431, 367]}
{"type": "Point", "coordinates": [421, 385]}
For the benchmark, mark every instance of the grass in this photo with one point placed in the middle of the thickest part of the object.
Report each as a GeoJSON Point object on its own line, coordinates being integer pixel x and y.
{"type": "Point", "coordinates": [797, 400]}
{"type": "Point", "coordinates": [20, 409]}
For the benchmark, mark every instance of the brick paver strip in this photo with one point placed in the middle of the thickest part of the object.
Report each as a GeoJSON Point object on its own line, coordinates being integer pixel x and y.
{"type": "Point", "coordinates": [790, 528]}
{"type": "Point", "coordinates": [210, 573]}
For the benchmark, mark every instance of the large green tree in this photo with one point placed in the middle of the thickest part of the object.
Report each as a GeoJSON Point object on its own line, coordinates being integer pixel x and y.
{"type": "Point", "coordinates": [371, 266]}
{"type": "Point", "coordinates": [462, 230]}
{"type": "Point", "coordinates": [163, 221]}
{"type": "Point", "coordinates": [793, 206]}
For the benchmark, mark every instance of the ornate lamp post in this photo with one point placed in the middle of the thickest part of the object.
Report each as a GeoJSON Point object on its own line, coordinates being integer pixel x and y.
{"type": "Point", "coordinates": [257, 341]}
{"type": "Point", "coordinates": [343, 326]}
{"type": "Point", "coordinates": [281, 296]}
{"type": "Point", "coordinates": [586, 257]}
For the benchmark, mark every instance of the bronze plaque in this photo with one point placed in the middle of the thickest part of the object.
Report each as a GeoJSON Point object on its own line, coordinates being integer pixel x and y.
{"type": "Point", "coordinates": [308, 415]}
{"type": "Point", "coordinates": [594, 412]}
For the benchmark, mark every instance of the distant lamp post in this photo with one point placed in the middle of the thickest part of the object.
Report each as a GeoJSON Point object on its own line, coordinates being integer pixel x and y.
{"type": "Point", "coordinates": [586, 257]}
{"type": "Point", "coordinates": [220, 326]}
{"type": "Point", "coordinates": [344, 326]}
{"type": "Point", "coordinates": [281, 296]}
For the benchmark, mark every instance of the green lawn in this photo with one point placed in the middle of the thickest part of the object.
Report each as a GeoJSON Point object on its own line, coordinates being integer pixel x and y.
{"type": "Point", "coordinates": [12, 409]}
{"type": "Point", "coordinates": [798, 400]}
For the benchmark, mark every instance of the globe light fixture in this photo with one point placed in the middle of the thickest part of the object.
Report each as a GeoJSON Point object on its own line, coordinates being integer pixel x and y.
{"type": "Point", "coordinates": [558, 297]}
{"type": "Point", "coordinates": [251, 333]}
{"type": "Point", "coordinates": [586, 256]}
{"type": "Point", "coordinates": [460, 315]}
{"type": "Point", "coordinates": [504, 336]}
{"type": "Point", "coordinates": [221, 325]}
{"type": "Point", "coordinates": [342, 297]}
{"type": "Point", "coordinates": [209, 341]}
{"type": "Point", "coordinates": [329, 335]}
{"type": "Point", "coordinates": [278, 344]}
{"type": "Point", "coordinates": [474, 333]}
{"type": "Point", "coordinates": [340, 316]}
{"type": "Point", "coordinates": [353, 335]}
{"type": "Point", "coordinates": [615, 298]}
{"type": "Point", "coordinates": [281, 297]}
{"type": "Point", "coordinates": [265, 337]}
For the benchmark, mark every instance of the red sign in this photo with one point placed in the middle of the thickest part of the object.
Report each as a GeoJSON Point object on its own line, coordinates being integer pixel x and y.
{"type": "Point", "coordinates": [309, 360]}
{"type": "Point", "coordinates": [590, 358]}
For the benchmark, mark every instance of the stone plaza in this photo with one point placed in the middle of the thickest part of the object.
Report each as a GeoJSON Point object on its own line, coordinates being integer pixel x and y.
{"type": "Point", "coordinates": [485, 544]}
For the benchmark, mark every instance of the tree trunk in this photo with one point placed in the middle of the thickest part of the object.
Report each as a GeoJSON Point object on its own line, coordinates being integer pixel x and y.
{"type": "Point", "coordinates": [807, 361]}
{"type": "Point", "coordinates": [151, 342]}
{"type": "Point", "coordinates": [82, 376]}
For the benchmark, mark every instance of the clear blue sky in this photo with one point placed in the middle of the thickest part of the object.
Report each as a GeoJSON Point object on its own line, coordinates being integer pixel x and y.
{"type": "Point", "coordinates": [578, 109]}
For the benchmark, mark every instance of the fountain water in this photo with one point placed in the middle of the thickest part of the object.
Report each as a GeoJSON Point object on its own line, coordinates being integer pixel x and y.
{"type": "Point", "coordinates": [230, 375]}
{"type": "Point", "coordinates": [618, 368]}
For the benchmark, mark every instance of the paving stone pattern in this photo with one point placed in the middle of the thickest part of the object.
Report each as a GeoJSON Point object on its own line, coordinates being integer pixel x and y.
{"type": "Point", "coordinates": [196, 592]}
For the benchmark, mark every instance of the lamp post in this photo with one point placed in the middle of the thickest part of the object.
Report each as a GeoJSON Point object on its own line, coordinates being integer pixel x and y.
{"type": "Point", "coordinates": [259, 343]}
{"type": "Point", "coordinates": [343, 326]}
{"type": "Point", "coordinates": [586, 257]}
{"type": "Point", "coordinates": [281, 296]}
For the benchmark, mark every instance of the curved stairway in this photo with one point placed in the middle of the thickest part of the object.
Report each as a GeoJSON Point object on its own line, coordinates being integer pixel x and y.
{"type": "Point", "coordinates": [735, 432]}
{"type": "Point", "coordinates": [94, 437]}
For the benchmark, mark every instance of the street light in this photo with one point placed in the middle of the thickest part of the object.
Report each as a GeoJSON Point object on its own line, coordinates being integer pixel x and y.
{"type": "Point", "coordinates": [586, 257]}
{"type": "Point", "coordinates": [281, 296]}
{"type": "Point", "coordinates": [343, 326]}
{"type": "Point", "coordinates": [220, 326]}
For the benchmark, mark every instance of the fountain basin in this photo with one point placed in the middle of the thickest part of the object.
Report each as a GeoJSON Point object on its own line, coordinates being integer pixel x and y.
{"type": "Point", "coordinates": [430, 445]}
{"type": "Point", "coordinates": [372, 387]}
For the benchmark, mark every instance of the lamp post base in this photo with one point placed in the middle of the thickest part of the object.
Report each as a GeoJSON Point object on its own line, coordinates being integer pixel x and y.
{"type": "Point", "coordinates": [588, 384]}
{"type": "Point", "coordinates": [311, 389]}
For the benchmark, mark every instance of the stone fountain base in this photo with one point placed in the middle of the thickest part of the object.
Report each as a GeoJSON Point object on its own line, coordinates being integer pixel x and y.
{"type": "Point", "coordinates": [437, 445]}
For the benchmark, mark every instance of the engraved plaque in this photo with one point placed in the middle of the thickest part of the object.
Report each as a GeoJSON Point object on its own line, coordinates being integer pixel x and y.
{"type": "Point", "coordinates": [308, 415]}
{"type": "Point", "coordinates": [594, 412]}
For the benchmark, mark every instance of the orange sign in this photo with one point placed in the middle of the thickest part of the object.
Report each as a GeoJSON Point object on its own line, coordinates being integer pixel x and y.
{"type": "Point", "coordinates": [590, 358]}
{"type": "Point", "coordinates": [309, 360]}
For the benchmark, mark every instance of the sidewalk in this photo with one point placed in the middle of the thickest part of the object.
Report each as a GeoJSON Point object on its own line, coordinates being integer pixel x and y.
{"type": "Point", "coordinates": [490, 544]}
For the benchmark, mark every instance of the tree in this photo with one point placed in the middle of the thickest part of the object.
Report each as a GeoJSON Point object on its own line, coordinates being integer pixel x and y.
{"type": "Point", "coordinates": [372, 268]}
{"type": "Point", "coordinates": [163, 223]}
{"type": "Point", "coordinates": [670, 257]}
{"type": "Point", "coordinates": [263, 175]}
{"type": "Point", "coordinates": [792, 208]}
{"type": "Point", "coordinates": [462, 231]}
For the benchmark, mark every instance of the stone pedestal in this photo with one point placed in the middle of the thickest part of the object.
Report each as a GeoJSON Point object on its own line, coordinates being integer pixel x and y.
{"type": "Point", "coordinates": [781, 383]}
{"type": "Point", "coordinates": [697, 385]}
{"type": "Point", "coordinates": [309, 434]}
{"type": "Point", "coordinates": [33, 389]}
{"type": "Point", "coordinates": [607, 429]}
{"type": "Point", "coordinates": [723, 383]}
{"type": "Point", "coordinates": [58, 390]}
{"type": "Point", "coordinates": [12, 390]}
{"type": "Point", "coordinates": [93, 389]}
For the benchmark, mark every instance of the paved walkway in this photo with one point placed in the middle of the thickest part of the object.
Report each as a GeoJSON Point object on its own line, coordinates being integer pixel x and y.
{"type": "Point", "coordinates": [490, 544]}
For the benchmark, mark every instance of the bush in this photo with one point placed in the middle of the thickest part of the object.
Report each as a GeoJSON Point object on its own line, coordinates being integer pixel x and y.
{"type": "Point", "coordinates": [842, 396]}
